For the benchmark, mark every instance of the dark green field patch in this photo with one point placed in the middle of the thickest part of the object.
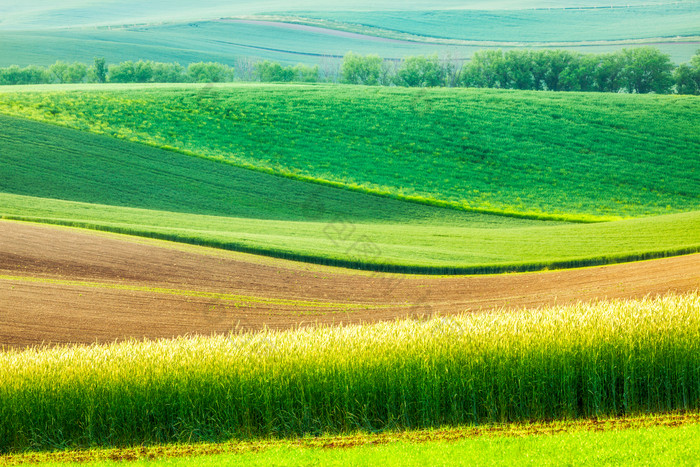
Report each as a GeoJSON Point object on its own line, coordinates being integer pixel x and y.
{"type": "Point", "coordinates": [52, 162]}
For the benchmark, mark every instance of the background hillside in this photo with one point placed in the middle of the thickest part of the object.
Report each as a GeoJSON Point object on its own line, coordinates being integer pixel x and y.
{"type": "Point", "coordinates": [308, 32]}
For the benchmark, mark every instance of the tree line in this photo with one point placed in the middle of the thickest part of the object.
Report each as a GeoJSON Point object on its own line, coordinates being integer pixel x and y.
{"type": "Point", "coordinates": [637, 70]}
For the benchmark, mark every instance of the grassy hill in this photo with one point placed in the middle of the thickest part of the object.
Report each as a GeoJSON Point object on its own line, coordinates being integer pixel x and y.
{"type": "Point", "coordinates": [40, 14]}
{"type": "Point", "coordinates": [541, 25]}
{"type": "Point", "coordinates": [40, 33]}
{"type": "Point", "coordinates": [547, 155]}
{"type": "Point", "coordinates": [48, 161]}
{"type": "Point", "coordinates": [63, 176]}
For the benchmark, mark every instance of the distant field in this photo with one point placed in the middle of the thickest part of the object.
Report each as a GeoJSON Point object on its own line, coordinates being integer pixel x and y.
{"type": "Point", "coordinates": [544, 25]}
{"type": "Point", "coordinates": [38, 14]}
{"type": "Point", "coordinates": [224, 42]}
{"type": "Point", "coordinates": [233, 43]}
{"type": "Point", "coordinates": [568, 155]}
{"type": "Point", "coordinates": [46, 33]}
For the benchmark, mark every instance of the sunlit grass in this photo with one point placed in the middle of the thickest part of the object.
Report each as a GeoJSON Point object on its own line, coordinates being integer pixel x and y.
{"type": "Point", "coordinates": [588, 360]}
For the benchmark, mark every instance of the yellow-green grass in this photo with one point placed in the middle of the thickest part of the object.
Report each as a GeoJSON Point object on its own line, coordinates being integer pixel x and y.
{"type": "Point", "coordinates": [558, 155]}
{"type": "Point", "coordinates": [408, 248]}
{"type": "Point", "coordinates": [619, 358]}
{"type": "Point", "coordinates": [670, 438]}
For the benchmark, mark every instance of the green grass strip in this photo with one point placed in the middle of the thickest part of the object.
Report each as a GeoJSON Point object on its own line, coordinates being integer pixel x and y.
{"type": "Point", "coordinates": [386, 248]}
{"type": "Point", "coordinates": [259, 451]}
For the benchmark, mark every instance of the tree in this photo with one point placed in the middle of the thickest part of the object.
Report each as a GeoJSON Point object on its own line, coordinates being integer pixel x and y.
{"type": "Point", "coordinates": [27, 75]}
{"type": "Point", "coordinates": [686, 80]}
{"type": "Point", "coordinates": [124, 72]}
{"type": "Point", "coordinates": [167, 73]}
{"type": "Point", "coordinates": [518, 69]}
{"type": "Point", "coordinates": [486, 70]}
{"type": "Point", "coordinates": [100, 70]}
{"type": "Point", "coordinates": [271, 72]}
{"type": "Point", "coordinates": [646, 70]}
{"type": "Point", "coordinates": [687, 76]}
{"type": "Point", "coordinates": [421, 72]}
{"type": "Point", "coordinates": [306, 74]}
{"type": "Point", "coordinates": [357, 69]}
{"type": "Point", "coordinates": [209, 72]}
{"type": "Point", "coordinates": [562, 70]}
{"type": "Point", "coordinates": [69, 72]}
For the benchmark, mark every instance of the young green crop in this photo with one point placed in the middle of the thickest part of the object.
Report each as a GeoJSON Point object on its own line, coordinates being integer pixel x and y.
{"type": "Point", "coordinates": [501, 246]}
{"type": "Point", "coordinates": [574, 156]}
{"type": "Point", "coordinates": [86, 180]}
{"type": "Point", "coordinates": [48, 161]}
{"type": "Point", "coordinates": [667, 439]}
{"type": "Point", "coordinates": [586, 360]}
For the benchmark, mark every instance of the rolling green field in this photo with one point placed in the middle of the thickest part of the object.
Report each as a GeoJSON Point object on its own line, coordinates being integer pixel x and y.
{"type": "Point", "coordinates": [528, 25]}
{"type": "Point", "coordinates": [39, 14]}
{"type": "Point", "coordinates": [120, 31]}
{"type": "Point", "coordinates": [48, 161]}
{"type": "Point", "coordinates": [421, 249]}
{"type": "Point", "coordinates": [396, 201]}
{"type": "Point", "coordinates": [407, 180]}
{"type": "Point", "coordinates": [608, 359]}
{"type": "Point", "coordinates": [565, 155]}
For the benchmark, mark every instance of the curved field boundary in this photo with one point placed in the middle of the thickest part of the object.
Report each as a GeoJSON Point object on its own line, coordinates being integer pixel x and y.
{"type": "Point", "coordinates": [367, 265]}
{"type": "Point", "coordinates": [47, 300]}
{"type": "Point", "coordinates": [623, 148]}
{"type": "Point", "coordinates": [423, 200]}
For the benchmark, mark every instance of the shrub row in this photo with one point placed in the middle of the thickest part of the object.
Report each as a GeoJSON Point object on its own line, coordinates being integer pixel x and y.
{"type": "Point", "coordinates": [637, 70]}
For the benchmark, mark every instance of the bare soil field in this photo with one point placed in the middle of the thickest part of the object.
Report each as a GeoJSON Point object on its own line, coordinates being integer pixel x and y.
{"type": "Point", "coordinates": [61, 285]}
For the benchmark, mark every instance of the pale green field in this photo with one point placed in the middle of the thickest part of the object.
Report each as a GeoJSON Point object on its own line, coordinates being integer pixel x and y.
{"type": "Point", "coordinates": [40, 33]}
{"type": "Point", "coordinates": [33, 14]}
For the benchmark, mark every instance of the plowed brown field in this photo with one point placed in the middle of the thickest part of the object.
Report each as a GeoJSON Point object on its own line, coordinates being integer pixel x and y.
{"type": "Point", "coordinates": [60, 285]}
